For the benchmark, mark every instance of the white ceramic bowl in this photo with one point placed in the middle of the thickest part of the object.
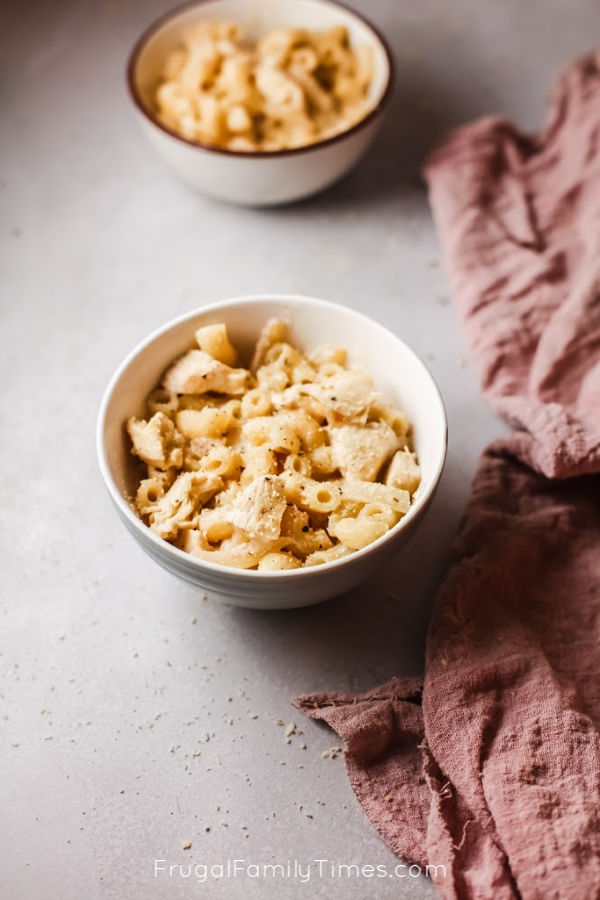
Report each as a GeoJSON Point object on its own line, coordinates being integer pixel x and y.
{"type": "Point", "coordinates": [398, 374]}
{"type": "Point", "coordinates": [257, 179]}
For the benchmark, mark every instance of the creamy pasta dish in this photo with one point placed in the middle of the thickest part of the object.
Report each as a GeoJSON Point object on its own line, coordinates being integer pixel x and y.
{"type": "Point", "coordinates": [291, 88]}
{"type": "Point", "coordinates": [293, 462]}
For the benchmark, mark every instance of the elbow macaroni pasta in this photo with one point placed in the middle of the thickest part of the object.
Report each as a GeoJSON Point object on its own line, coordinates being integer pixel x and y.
{"type": "Point", "coordinates": [292, 88]}
{"type": "Point", "coordinates": [293, 462]}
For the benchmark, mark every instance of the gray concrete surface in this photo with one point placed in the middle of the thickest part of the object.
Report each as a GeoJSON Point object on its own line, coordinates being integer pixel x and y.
{"type": "Point", "coordinates": [113, 674]}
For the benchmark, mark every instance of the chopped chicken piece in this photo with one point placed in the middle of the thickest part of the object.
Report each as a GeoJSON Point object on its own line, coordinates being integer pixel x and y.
{"type": "Point", "coordinates": [258, 508]}
{"type": "Point", "coordinates": [157, 441]}
{"type": "Point", "coordinates": [226, 496]}
{"type": "Point", "coordinates": [196, 373]}
{"type": "Point", "coordinates": [347, 395]}
{"type": "Point", "coordinates": [183, 499]}
{"type": "Point", "coordinates": [404, 471]}
{"type": "Point", "coordinates": [361, 450]}
{"type": "Point", "coordinates": [274, 332]}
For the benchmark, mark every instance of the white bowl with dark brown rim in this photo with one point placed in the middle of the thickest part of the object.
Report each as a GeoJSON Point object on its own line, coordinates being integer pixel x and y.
{"type": "Point", "coordinates": [398, 374]}
{"type": "Point", "coordinates": [263, 178]}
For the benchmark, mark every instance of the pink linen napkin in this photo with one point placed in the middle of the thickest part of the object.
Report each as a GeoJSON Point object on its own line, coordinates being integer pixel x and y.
{"type": "Point", "coordinates": [496, 774]}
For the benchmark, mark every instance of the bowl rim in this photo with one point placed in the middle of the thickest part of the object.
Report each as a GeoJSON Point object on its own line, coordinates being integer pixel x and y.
{"type": "Point", "coordinates": [163, 20]}
{"type": "Point", "coordinates": [125, 509]}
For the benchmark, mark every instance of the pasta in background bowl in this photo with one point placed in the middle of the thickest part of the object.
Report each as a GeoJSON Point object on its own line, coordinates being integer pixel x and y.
{"type": "Point", "coordinates": [291, 88]}
{"type": "Point", "coordinates": [397, 374]}
{"type": "Point", "coordinates": [258, 151]}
